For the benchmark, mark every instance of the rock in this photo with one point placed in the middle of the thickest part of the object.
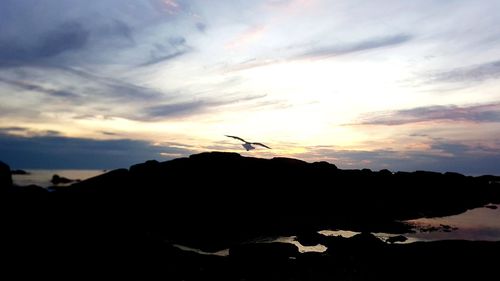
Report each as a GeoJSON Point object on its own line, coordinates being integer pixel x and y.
{"type": "Point", "coordinates": [493, 207]}
{"type": "Point", "coordinates": [385, 173]}
{"type": "Point", "coordinates": [394, 239]}
{"type": "Point", "coordinates": [56, 180]}
{"type": "Point", "coordinates": [310, 238]}
{"type": "Point", "coordinates": [29, 189]}
{"type": "Point", "coordinates": [264, 251]}
{"type": "Point", "coordinates": [5, 176]}
{"type": "Point", "coordinates": [19, 172]}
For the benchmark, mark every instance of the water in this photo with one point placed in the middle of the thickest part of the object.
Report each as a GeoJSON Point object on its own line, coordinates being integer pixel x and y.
{"type": "Point", "coordinates": [282, 239]}
{"type": "Point", "coordinates": [476, 224]}
{"type": "Point", "coordinates": [319, 248]}
{"type": "Point", "coordinates": [42, 177]}
{"type": "Point", "coordinates": [480, 224]}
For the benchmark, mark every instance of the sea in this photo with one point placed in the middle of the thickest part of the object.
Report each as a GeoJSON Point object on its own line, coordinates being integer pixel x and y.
{"type": "Point", "coordinates": [42, 177]}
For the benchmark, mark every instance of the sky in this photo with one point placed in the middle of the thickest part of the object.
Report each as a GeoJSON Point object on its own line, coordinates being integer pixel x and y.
{"type": "Point", "coordinates": [386, 84]}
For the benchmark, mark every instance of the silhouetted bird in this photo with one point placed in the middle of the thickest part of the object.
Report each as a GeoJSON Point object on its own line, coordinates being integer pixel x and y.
{"type": "Point", "coordinates": [248, 145]}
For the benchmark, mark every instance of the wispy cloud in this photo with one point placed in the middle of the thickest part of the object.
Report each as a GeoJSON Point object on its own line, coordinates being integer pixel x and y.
{"type": "Point", "coordinates": [179, 109]}
{"type": "Point", "coordinates": [365, 45]}
{"type": "Point", "coordinates": [474, 113]}
{"type": "Point", "coordinates": [294, 53]}
{"type": "Point", "coordinates": [159, 59]}
{"type": "Point", "coordinates": [175, 46]}
{"type": "Point", "coordinates": [475, 73]}
{"type": "Point", "coordinates": [57, 93]}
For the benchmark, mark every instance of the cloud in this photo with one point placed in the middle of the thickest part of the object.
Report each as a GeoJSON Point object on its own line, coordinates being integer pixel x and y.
{"type": "Point", "coordinates": [159, 59]}
{"type": "Point", "coordinates": [10, 130]}
{"type": "Point", "coordinates": [82, 90]}
{"type": "Point", "coordinates": [444, 156]}
{"type": "Point", "coordinates": [201, 27]}
{"type": "Point", "coordinates": [177, 46]}
{"type": "Point", "coordinates": [290, 53]}
{"type": "Point", "coordinates": [67, 36]}
{"type": "Point", "coordinates": [121, 29]}
{"type": "Point", "coordinates": [56, 152]}
{"type": "Point", "coordinates": [191, 107]}
{"type": "Point", "coordinates": [41, 89]}
{"type": "Point", "coordinates": [369, 44]}
{"type": "Point", "coordinates": [107, 31]}
{"type": "Point", "coordinates": [474, 113]}
{"type": "Point", "coordinates": [176, 109]}
{"type": "Point", "coordinates": [476, 73]}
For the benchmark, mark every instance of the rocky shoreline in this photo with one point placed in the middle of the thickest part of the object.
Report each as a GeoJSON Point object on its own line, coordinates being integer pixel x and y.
{"type": "Point", "coordinates": [126, 222]}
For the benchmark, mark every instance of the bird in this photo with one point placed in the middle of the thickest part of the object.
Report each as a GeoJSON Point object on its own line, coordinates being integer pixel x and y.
{"type": "Point", "coordinates": [248, 145]}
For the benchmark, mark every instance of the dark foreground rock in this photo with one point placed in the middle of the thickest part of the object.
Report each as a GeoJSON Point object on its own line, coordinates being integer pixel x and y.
{"type": "Point", "coordinates": [123, 224]}
{"type": "Point", "coordinates": [5, 176]}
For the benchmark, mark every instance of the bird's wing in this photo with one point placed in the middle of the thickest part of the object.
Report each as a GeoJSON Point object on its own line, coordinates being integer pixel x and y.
{"type": "Point", "coordinates": [258, 143]}
{"type": "Point", "coordinates": [238, 138]}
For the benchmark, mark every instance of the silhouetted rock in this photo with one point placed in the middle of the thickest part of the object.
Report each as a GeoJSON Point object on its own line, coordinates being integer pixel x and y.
{"type": "Point", "coordinates": [5, 176]}
{"type": "Point", "coordinates": [116, 182]}
{"type": "Point", "coordinates": [19, 172]}
{"type": "Point", "coordinates": [262, 252]}
{"type": "Point", "coordinates": [493, 207]}
{"type": "Point", "coordinates": [385, 173]}
{"type": "Point", "coordinates": [57, 180]}
{"type": "Point", "coordinates": [28, 189]}
{"type": "Point", "coordinates": [366, 239]}
{"type": "Point", "coordinates": [394, 239]}
{"type": "Point", "coordinates": [214, 201]}
{"type": "Point", "coordinates": [309, 238]}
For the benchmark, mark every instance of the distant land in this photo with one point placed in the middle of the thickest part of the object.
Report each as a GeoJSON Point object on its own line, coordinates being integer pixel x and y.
{"type": "Point", "coordinates": [128, 222]}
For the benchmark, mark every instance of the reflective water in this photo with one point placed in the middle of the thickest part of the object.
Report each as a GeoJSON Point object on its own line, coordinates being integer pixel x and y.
{"type": "Point", "coordinates": [477, 224]}
{"type": "Point", "coordinates": [42, 177]}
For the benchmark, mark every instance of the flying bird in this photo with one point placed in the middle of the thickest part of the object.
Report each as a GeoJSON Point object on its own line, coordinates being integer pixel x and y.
{"type": "Point", "coordinates": [248, 145]}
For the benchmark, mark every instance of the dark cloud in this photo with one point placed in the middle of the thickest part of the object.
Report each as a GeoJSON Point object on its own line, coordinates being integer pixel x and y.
{"type": "Point", "coordinates": [56, 152]}
{"type": "Point", "coordinates": [177, 41]}
{"type": "Point", "coordinates": [369, 44]}
{"type": "Point", "coordinates": [158, 59]}
{"type": "Point", "coordinates": [175, 47]}
{"type": "Point", "coordinates": [8, 130]}
{"type": "Point", "coordinates": [476, 73]}
{"type": "Point", "coordinates": [66, 37]}
{"type": "Point", "coordinates": [41, 31]}
{"type": "Point", "coordinates": [58, 93]}
{"type": "Point", "coordinates": [201, 27]}
{"type": "Point", "coordinates": [85, 88]}
{"type": "Point", "coordinates": [170, 110]}
{"type": "Point", "coordinates": [475, 113]}
{"type": "Point", "coordinates": [120, 29]}
{"type": "Point", "coordinates": [109, 133]}
{"type": "Point", "coordinates": [110, 88]}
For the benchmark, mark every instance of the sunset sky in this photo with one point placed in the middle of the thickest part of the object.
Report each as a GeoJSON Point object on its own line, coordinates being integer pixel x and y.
{"type": "Point", "coordinates": [401, 85]}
